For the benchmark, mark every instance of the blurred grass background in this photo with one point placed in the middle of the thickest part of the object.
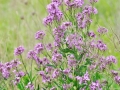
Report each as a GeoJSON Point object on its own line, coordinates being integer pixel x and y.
{"type": "Point", "coordinates": [20, 19]}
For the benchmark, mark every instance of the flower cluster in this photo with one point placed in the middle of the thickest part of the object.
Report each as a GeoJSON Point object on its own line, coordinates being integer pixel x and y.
{"type": "Point", "coordinates": [102, 30]}
{"type": "Point", "coordinates": [54, 13]}
{"type": "Point", "coordinates": [40, 35]}
{"type": "Point", "coordinates": [59, 32]}
{"type": "Point", "coordinates": [18, 76]}
{"type": "Point", "coordinates": [19, 50]}
{"type": "Point", "coordinates": [74, 3]}
{"type": "Point", "coordinates": [95, 85]}
{"type": "Point", "coordinates": [83, 79]}
{"type": "Point", "coordinates": [74, 40]}
{"type": "Point", "coordinates": [30, 86]}
{"type": "Point", "coordinates": [5, 68]}
{"type": "Point", "coordinates": [76, 59]}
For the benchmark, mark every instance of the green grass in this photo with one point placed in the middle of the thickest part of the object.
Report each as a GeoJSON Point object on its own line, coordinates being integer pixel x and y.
{"type": "Point", "coordinates": [15, 32]}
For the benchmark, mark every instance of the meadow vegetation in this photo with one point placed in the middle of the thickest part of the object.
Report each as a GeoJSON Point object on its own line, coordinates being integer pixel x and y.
{"type": "Point", "coordinates": [21, 22]}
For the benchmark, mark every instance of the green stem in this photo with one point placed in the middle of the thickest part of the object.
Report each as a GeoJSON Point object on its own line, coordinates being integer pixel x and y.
{"type": "Point", "coordinates": [25, 68]}
{"type": "Point", "coordinates": [21, 79]}
{"type": "Point", "coordinates": [31, 67]}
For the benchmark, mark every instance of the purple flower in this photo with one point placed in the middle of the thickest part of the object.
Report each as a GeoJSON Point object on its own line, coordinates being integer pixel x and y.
{"type": "Point", "coordinates": [71, 61]}
{"type": "Point", "coordinates": [58, 34]}
{"type": "Point", "coordinates": [80, 79]}
{"type": "Point", "coordinates": [66, 86]}
{"type": "Point", "coordinates": [45, 61]}
{"type": "Point", "coordinates": [56, 73]}
{"type": "Point", "coordinates": [31, 54]}
{"type": "Point", "coordinates": [102, 30]}
{"type": "Point", "coordinates": [54, 13]}
{"type": "Point", "coordinates": [88, 10]}
{"type": "Point", "coordinates": [42, 73]}
{"type": "Point", "coordinates": [102, 59]}
{"type": "Point", "coordinates": [91, 34]}
{"type": "Point", "coordinates": [58, 2]}
{"type": "Point", "coordinates": [8, 66]}
{"type": "Point", "coordinates": [15, 63]}
{"type": "Point", "coordinates": [40, 35]}
{"type": "Point", "coordinates": [78, 3]}
{"type": "Point", "coordinates": [114, 73]}
{"type": "Point", "coordinates": [101, 46]}
{"type": "Point", "coordinates": [19, 50]}
{"type": "Point", "coordinates": [93, 66]}
{"type": "Point", "coordinates": [111, 59]}
{"type": "Point", "coordinates": [48, 20]}
{"type": "Point", "coordinates": [117, 79]}
{"type": "Point", "coordinates": [5, 69]}
{"type": "Point", "coordinates": [30, 86]}
{"type": "Point", "coordinates": [65, 25]}
{"type": "Point", "coordinates": [39, 48]}
{"type": "Point", "coordinates": [74, 40]}
{"type": "Point", "coordinates": [82, 23]}
{"type": "Point", "coordinates": [70, 75]}
{"type": "Point", "coordinates": [86, 77]}
{"type": "Point", "coordinates": [95, 86]}
{"type": "Point", "coordinates": [20, 74]}
{"type": "Point", "coordinates": [66, 71]}
{"type": "Point", "coordinates": [74, 3]}
{"type": "Point", "coordinates": [5, 74]}
{"type": "Point", "coordinates": [93, 44]}
{"type": "Point", "coordinates": [102, 66]}
{"type": "Point", "coordinates": [49, 69]}
{"type": "Point", "coordinates": [49, 46]}
{"type": "Point", "coordinates": [45, 78]}
{"type": "Point", "coordinates": [16, 81]}
{"type": "Point", "coordinates": [57, 57]}
{"type": "Point", "coordinates": [52, 8]}
{"type": "Point", "coordinates": [67, 2]}
{"type": "Point", "coordinates": [38, 60]}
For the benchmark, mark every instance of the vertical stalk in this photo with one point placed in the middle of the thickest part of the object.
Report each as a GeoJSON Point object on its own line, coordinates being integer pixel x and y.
{"type": "Point", "coordinates": [25, 68]}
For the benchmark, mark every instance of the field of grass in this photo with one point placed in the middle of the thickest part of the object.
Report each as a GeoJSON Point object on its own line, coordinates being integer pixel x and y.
{"type": "Point", "coordinates": [20, 19]}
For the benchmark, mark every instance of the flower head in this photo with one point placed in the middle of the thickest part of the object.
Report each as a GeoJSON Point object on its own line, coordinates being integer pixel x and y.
{"type": "Point", "coordinates": [40, 35]}
{"type": "Point", "coordinates": [30, 86]}
{"type": "Point", "coordinates": [38, 48]}
{"type": "Point", "coordinates": [19, 50]}
{"type": "Point", "coordinates": [102, 30]}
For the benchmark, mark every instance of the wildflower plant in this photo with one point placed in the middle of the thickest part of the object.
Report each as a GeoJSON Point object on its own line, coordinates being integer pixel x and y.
{"type": "Point", "coordinates": [73, 61]}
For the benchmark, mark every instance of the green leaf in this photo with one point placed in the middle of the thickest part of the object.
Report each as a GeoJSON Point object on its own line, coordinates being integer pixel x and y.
{"type": "Point", "coordinates": [60, 88]}
{"type": "Point", "coordinates": [66, 50]}
{"type": "Point", "coordinates": [80, 56]}
{"type": "Point", "coordinates": [38, 87]}
{"type": "Point", "coordinates": [33, 78]}
{"type": "Point", "coordinates": [88, 61]}
{"type": "Point", "coordinates": [96, 76]}
{"type": "Point", "coordinates": [25, 80]}
{"type": "Point", "coordinates": [50, 65]}
{"type": "Point", "coordinates": [20, 87]}
{"type": "Point", "coordinates": [37, 69]}
{"type": "Point", "coordinates": [81, 70]}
